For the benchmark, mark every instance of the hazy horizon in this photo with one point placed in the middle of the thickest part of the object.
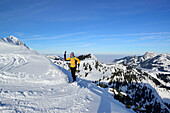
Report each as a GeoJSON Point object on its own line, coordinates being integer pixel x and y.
{"type": "Point", "coordinates": [103, 58]}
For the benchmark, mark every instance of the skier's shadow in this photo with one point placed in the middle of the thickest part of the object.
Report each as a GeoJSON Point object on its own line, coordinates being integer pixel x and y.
{"type": "Point", "coordinates": [105, 102]}
{"type": "Point", "coordinates": [66, 72]}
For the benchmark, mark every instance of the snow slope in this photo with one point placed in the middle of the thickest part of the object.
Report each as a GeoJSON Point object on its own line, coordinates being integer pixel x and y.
{"type": "Point", "coordinates": [30, 82]}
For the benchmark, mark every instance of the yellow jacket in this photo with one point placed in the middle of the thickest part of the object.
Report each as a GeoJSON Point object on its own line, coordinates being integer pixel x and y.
{"type": "Point", "coordinates": [72, 60]}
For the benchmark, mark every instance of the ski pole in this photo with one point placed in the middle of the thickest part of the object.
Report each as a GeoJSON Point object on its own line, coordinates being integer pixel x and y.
{"type": "Point", "coordinates": [78, 71]}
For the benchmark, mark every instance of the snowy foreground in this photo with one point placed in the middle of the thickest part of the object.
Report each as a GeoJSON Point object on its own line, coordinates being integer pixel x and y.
{"type": "Point", "coordinates": [30, 82]}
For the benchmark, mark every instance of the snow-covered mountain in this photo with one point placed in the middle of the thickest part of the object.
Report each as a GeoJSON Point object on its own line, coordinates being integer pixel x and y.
{"type": "Point", "coordinates": [55, 57]}
{"type": "Point", "coordinates": [88, 56]}
{"type": "Point", "coordinates": [140, 90]}
{"type": "Point", "coordinates": [135, 60]}
{"type": "Point", "coordinates": [149, 61]}
{"type": "Point", "coordinates": [13, 40]}
{"type": "Point", "coordinates": [30, 82]}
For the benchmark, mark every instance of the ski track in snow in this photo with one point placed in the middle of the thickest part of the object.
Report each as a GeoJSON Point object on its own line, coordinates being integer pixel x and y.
{"type": "Point", "coordinates": [9, 61]}
{"type": "Point", "coordinates": [37, 97]}
{"type": "Point", "coordinates": [42, 100]}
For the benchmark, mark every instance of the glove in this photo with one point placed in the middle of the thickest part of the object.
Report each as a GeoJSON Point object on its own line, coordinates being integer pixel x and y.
{"type": "Point", "coordinates": [65, 55]}
{"type": "Point", "coordinates": [78, 68]}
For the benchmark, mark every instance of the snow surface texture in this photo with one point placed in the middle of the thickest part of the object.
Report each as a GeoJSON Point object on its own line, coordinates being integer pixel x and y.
{"type": "Point", "coordinates": [149, 61]}
{"type": "Point", "coordinates": [30, 82]}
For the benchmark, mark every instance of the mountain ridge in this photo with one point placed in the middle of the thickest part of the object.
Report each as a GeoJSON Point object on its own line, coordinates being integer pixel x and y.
{"type": "Point", "coordinates": [15, 41]}
{"type": "Point", "coordinates": [149, 60]}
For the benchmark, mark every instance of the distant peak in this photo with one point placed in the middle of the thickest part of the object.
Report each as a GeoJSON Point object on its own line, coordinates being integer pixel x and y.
{"type": "Point", "coordinates": [149, 55]}
{"type": "Point", "coordinates": [13, 40]}
{"type": "Point", "coordinates": [93, 56]}
{"type": "Point", "coordinates": [164, 54]}
{"type": "Point", "coordinates": [12, 37]}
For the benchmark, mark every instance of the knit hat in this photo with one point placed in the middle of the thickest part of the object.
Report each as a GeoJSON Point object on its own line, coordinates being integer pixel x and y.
{"type": "Point", "coordinates": [72, 53]}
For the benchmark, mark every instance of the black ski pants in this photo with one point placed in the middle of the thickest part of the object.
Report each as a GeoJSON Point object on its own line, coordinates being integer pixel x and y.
{"type": "Point", "coordinates": [73, 71]}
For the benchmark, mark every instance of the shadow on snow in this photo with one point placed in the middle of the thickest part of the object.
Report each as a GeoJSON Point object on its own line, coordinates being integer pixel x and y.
{"type": "Point", "coordinates": [106, 98]}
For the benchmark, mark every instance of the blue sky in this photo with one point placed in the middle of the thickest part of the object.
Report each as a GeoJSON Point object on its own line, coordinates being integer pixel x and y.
{"type": "Point", "coordinates": [88, 26]}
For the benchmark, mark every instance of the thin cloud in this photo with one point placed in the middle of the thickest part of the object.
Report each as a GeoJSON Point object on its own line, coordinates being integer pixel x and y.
{"type": "Point", "coordinates": [67, 44]}
{"type": "Point", "coordinates": [142, 44]}
{"type": "Point", "coordinates": [148, 37]}
{"type": "Point", "coordinates": [24, 12]}
{"type": "Point", "coordinates": [17, 34]}
{"type": "Point", "coordinates": [136, 34]}
{"type": "Point", "coordinates": [83, 45]}
{"type": "Point", "coordinates": [76, 44]}
{"type": "Point", "coordinates": [54, 37]}
{"type": "Point", "coordinates": [67, 19]}
{"type": "Point", "coordinates": [36, 35]}
{"type": "Point", "coordinates": [130, 38]}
